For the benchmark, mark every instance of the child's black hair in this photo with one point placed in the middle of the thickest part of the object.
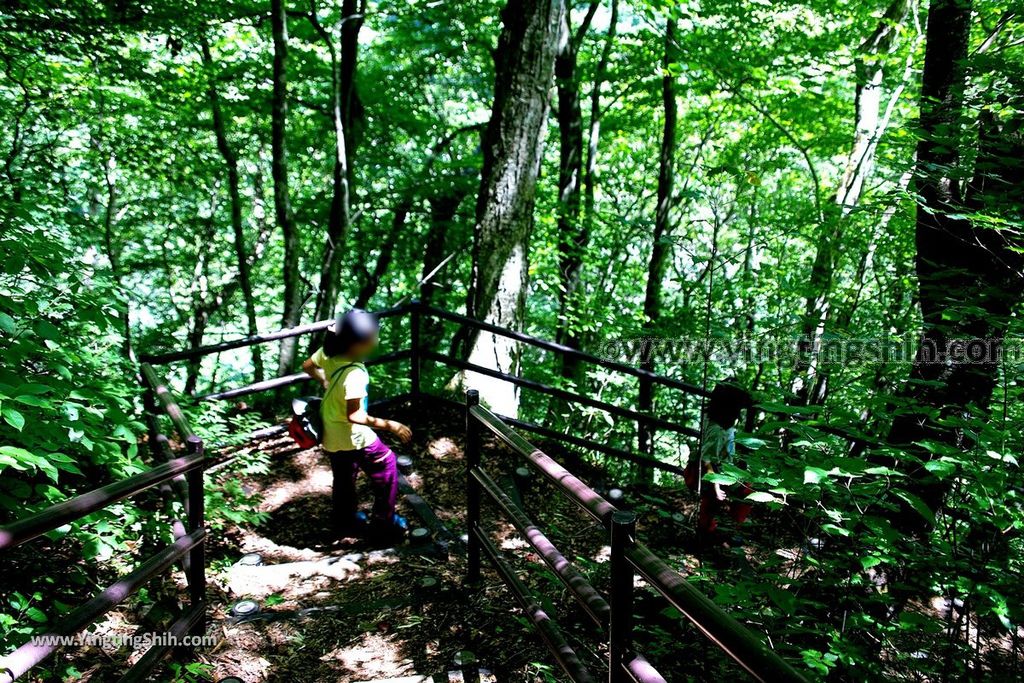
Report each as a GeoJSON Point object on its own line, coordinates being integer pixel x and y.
{"type": "Point", "coordinates": [351, 328]}
{"type": "Point", "coordinates": [726, 402]}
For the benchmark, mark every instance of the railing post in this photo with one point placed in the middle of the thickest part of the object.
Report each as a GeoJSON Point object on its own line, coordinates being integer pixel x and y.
{"type": "Point", "coordinates": [196, 573]}
{"type": "Point", "coordinates": [644, 429]}
{"type": "Point", "coordinates": [620, 624]}
{"type": "Point", "coordinates": [472, 486]}
{"type": "Point", "coordinates": [414, 341]}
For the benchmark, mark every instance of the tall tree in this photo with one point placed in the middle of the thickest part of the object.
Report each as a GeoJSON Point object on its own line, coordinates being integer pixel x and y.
{"type": "Point", "coordinates": [661, 252]}
{"type": "Point", "coordinates": [345, 109]}
{"type": "Point", "coordinates": [572, 235]}
{"type": "Point", "coordinates": [279, 170]}
{"type": "Point", "coordinates": [401, 213]}
{"type": "Point", "coordinates": [968, 270]}
{"type": "Point", "coordinates": [870, 122]}
{"type": "Point", "coordinates": [235, 202]}
{"type": "Point", "coordinates": [512, 150]}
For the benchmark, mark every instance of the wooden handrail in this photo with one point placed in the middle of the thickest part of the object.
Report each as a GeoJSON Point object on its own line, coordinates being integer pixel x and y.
{"type": "Point", "coordinates": [585, 497]}
{"type": "Point", "coordinates": [721, 629]}
{"type": "Point", "coordinates": [163, 394]}
{"type": "Point", "coordinates": [542, 388]}
{"type": "Point", "coordinates": [295, 378]}
{"type": "Point", "coordinates": [184, 625]}
{"type": "Point", "coordinates": [555, 435]}
{"type": "Point", "coordinates": [549, 632]}
{"type": "Point", "coordinates": [588, 598]}
{"type": "Point", "coordinates": [417, 310]}
{"type": "Point", "coordinates": [187, 546]}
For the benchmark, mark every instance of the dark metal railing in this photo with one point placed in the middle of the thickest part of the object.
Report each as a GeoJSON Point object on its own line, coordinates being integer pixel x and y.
{"type": "Point", "coordinates": [416, 354]}
{"type": "Point", "coordinates": [628, 557]}
{"type": "Point", "coordinates": [187, 548]}
{"type": "Point", "coordinates": [614, 614]}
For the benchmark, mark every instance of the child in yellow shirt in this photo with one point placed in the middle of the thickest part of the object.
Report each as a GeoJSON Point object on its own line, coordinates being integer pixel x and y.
{"type": "Point", "coordinates": [348, 436]}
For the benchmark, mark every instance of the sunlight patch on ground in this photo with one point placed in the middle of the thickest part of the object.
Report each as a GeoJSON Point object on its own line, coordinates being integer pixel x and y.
{"type": "Point", "coordinates": [291, 580]}
{"type": "Point", "coordinates": [443, 448]}
{"type": "Point", "coordinates": [371, 656]}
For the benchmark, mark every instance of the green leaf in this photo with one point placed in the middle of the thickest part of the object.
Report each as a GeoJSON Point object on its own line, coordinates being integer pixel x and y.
{"type": "Point", "coordinates": [870, 561]}
{"type": "Point", "coordinates": [33, 401]}
{"type": "Point", "coordinates": [814, 475]}
{"type": "Point", "coordinates": [7, 323]}
{"type": "Point", "coordinates": [31, 389]}
{"type": "Point", "coordinates": [762, 497]}
{"type": "Point", "coordinates": [919, 505]}
{"type": "Point", "coordinates": [35, 614]}
{"type": "Point", "coordinates": [940, 468]}
{"type": "Point", "coordinates": [14, 418]}
{"type": "Point", "coordinates": [47, 330]}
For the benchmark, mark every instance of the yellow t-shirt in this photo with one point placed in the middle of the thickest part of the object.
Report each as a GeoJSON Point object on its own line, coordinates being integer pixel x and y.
{"type": "Point", "coordinates": [348, 380]}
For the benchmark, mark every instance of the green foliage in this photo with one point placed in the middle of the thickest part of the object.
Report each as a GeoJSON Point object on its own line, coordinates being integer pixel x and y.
{"type": "Point", "coordinates": [115, 238]}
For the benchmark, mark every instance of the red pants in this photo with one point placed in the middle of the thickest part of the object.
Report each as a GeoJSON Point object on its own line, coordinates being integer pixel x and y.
{"type": "Point", "coordinates": [710, 506]}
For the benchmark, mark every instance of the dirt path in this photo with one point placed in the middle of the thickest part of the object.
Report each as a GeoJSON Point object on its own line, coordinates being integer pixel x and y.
{"type": "Point", "coordinates": [342, 611]}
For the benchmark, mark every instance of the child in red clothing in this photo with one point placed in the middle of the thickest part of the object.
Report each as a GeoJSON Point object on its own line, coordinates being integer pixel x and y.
{"type": "Point", "coordinates": [718, 445]}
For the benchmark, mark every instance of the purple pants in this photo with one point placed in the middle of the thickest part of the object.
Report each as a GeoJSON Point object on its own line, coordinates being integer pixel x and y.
{"type": "Point", "coordinates": [378, 461]}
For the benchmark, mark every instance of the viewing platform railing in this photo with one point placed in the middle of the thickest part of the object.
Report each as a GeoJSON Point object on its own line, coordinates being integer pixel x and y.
{"type": "Point", "coordinates": [188, 546]}
{"type": "Point", "coordinates": [628, 556]}
{"type": "Point", "coordinates": [184, 475]}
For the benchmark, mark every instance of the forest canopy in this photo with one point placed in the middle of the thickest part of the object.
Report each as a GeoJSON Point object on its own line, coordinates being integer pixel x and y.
{"type": "Point", "coordinates": [818, 200]}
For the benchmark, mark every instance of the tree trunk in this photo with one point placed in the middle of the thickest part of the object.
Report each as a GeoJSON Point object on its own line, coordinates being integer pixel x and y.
{"type": "Point", "coordinates": [279, 170]}
{"type": "Point", "coordinates": [661, 252]}
{"type": "Point", "coordinates": [401, 213]}
{"type": "Point", "coordinates": [512, 150]}
{"type": "Point", "coordinates": [968, 274]}
{"type": "Point", "coordinates": [344, 103]}
{"type": "Point", "coordinates": [869, 126]}
{"type": "Point", "coordinates": [572, 234]}
{"type": "Point", "coordinates": [234, 194]}
{"type": "Point", "coordinates": [387, 250]}
{"type": "Point", "coordinates": [444, 206]}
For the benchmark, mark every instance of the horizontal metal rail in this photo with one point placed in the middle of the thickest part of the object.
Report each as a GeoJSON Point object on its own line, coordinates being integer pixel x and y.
{"type": "Point", "coordinates": [166, 398]}
{"type": "Point", "coordinates": [593, 604]}
{"type": "Point", "coordinates": [309, 328]}
{"type": "Point", "coordinates": [566, 351]}
{"type": "Point", "coordinates": [593, 445]}
{"type": "Point", "coordinates": [721, 629]}
{"type": "Point", "coordinates": [14, 665]}
{"type": "Point", "coordinates": [560, 393]}
{"type": "Point", "coordinates": [163, 358]}
{"type": "Point", "coordinates": [577, 491]}
{"type": "Point", "coordinates": [641, 671]}
{"type": "Point", "coordinates": [296, 378]}
{"type": "Point", "coordinates": [548, 630]}
{"type": "Point", "coordinates": [184, 625]}
{"type": "Point", "coordinates": [580, 442]}
{"type": "Point", "coordinates": [56, 516]}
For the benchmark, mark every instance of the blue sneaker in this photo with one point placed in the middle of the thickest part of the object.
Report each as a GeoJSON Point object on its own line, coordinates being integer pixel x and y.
{"type": "Point", "coordinates": [383, 533]}
{"type": "Point", "coordinates": [356, 527]}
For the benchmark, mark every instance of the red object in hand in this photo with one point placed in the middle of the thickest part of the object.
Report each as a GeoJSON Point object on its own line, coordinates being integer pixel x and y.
{"type": "Point", "coordinates": [299, 432]}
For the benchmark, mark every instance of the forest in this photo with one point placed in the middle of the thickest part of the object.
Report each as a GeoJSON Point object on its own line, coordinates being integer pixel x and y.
{"type": "Point", "coordinates": [602, 215]}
